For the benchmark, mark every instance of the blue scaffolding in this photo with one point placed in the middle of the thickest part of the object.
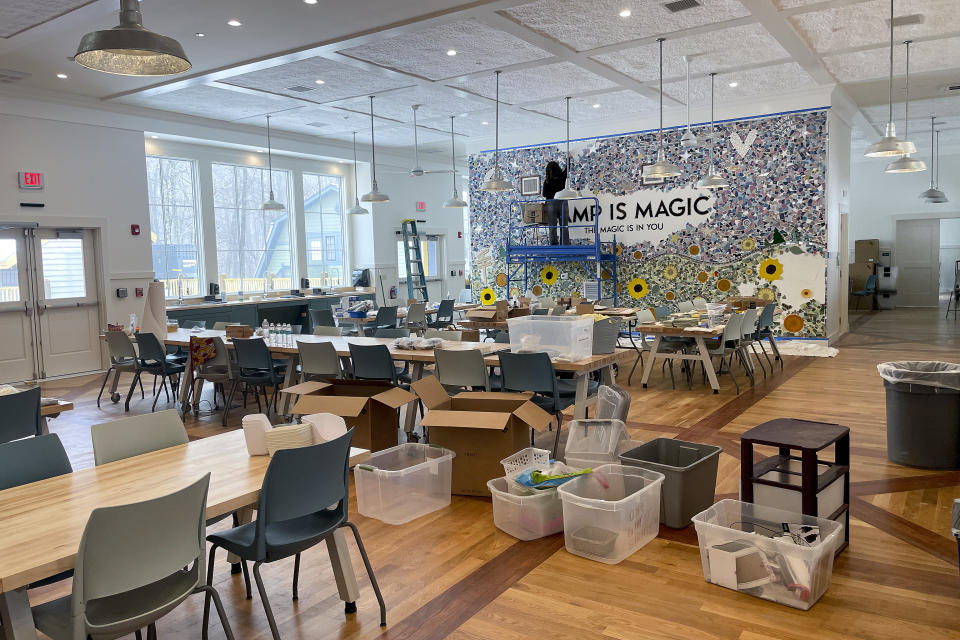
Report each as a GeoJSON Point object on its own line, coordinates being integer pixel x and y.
{"type": "Point", "coordinates": [529, 243]}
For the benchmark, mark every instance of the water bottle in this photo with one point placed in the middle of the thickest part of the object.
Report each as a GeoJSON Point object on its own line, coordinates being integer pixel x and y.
{"type": "Point", "coordinates": [273, 331]}
{"type": "Point", "coordinates": [286, 334]}
{"type": "Point", "coordinates": [265, 330]}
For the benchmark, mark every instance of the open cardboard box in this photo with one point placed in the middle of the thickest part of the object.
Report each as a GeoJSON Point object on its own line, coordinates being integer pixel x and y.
{"type": "Point", "coordinates": [369, 406]}
{"type": "Point", "coordinates": [498, 311]}
{"type": "Point", "coordinates": [482, 427]}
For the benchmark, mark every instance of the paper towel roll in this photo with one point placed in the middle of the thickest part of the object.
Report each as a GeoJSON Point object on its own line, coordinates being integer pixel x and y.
{"type": "Point", "coordinates": [154, 319]}
{"type": "Point", "coordinates": [326, 426]}
{"type": "Point", "coordinates": [255, 429]}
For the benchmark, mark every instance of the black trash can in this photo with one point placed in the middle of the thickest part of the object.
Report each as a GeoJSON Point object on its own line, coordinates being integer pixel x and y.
{"type": "Point", "coordinates": [923, 413]}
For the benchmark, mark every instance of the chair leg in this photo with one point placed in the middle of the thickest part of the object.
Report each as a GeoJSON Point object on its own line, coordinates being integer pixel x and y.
{"type": "Point", "coordinates": [373, 578]}
{"type": "Point", "coordinates": [753, 347]}
{"type": "Point", "coordinates": [138, 635]}
{"type": "Point", "coordinates": [556, 438]}
{"type": "Point", "coordinates": [152, 631]}
{"type": "Point", "coordinates": [143, 395]}
{"type": "Point", "coordinates": [639, 360]}
{"type": "Point", "coordinates": [730, 371]}
{"type": "Point", "coordinates": [763, 349]}
{"type": "Point", "coordinates": [133, 386]}
{"type": "Point", "coordinates": [246, 578]}
{"type": "Point", "coordinates": [265, 600]}
{"type": "Point", "coordinates": [104, 385]}
{"type": "Point", "coordinates": [210, 592]}
{"type": "Point", "coordinates": [156, 396]}
{"type": "Point", "coordinates": [229, 402]}
{"type": "Point", "coordinates": [256, 394]}
{"type": "Point", "coordinates": [296, 576]}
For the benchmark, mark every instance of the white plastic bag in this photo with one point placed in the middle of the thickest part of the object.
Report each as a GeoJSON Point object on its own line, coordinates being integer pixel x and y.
{"type": "Point", "coordinates": [928, 373]}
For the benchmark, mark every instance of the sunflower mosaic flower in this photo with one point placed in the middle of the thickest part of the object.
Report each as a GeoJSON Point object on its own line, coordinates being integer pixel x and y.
{"type": "Point", "coordinates": [637, 255]}
{"type": "Point", "coordinates": [549, 275]}
{"type": "Point", "coordinates": [703, 276]}
{"type": "Point", "coordinates": [537, 290]}
{"type": "Point", "coordinates": [748, 244]}
{"type": "Point", "coordinates": [770, 269]}
{"type": "Point", "coordinates": [638, 288]}
{"type": "Point", "coordinates": [694, 249]}
{"type": "Point", "coordinates": [723, 284]}
{"type": "Point", "coordinates": [767, 294]}
{"type": "Point", "coordinates": [793, 323]}
{"type": "Point", "coordinates": [670, 295]}
{"type": "Point", "coordinates": [670, 272]}
{"type": "Point", "coordinates": [806, 294]}
{"type": "Point", "coordinates": [487, 296]}
{"type": "Point", "coordinates": [501, 279]}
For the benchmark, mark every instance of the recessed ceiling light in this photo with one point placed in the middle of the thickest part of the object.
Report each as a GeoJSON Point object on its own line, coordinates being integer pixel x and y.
{"type": "Point", "coordinates": [62, 76]}
{"type": "Point", "coordinates": [451, 52]}
{"type": "Point", "coordinates": [596, 105]}
{"type": "Point", "coordinates": [233, 22]}
{"type": "Point", "coordinates": [200, 34]}
{"type": "Point", "coordinates": [320, 81]}
{"type": "Point", "coordinates": [309, 1]}
{"type": "Point", "coordinates": [484, 123]}
{"type": "Point", "coordinates": [733, 85]}
{"type": "Point", "coordinates": [340, 161]}
{"type": "Point", "coordinates": [625, 13]}
{"type": "Point", "coordinates": [260, 151]}
{"type": "Point", "coordinates": [155, 137]}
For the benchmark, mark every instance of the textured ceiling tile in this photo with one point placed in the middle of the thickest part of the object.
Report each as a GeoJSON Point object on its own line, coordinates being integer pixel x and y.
{"type": "Point", "coordinates": [402, 136]}
{"type": "Point", "coordinates": [537, 83]}
{"type": "Point", "coordinates": [790, 4]}
{"type": "Point", "coordinates": [588, 24]}
{"type": "Point", "coordinates": [424, 53]}
{"type": "Point", "coordinates": [714, 51]}
{"type": "Point", "coordinates": [510, 121]}
{"type": "Point", "coordinates": [932, 55]}
{"type": "Point", "coordinates": [340, 80]}
{"type": "Point", "coordinates": [866, 23]}
{"type": "Point", "coordinates": [772, 80]}
{"type": "Point", "coordinates": [436, 102]}
{"type": "Point", "coordinates": [610, 106]}
{"type": "Point", "coordinates": [211, 102]}
{"type": "Point", "coordinates": [20, 15]}
{"type": "Point", "coordinates": [322, 121]}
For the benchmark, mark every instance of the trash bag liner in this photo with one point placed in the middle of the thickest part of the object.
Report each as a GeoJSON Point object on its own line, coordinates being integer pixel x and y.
{"type": "Point", "coordinates": [945, 375]}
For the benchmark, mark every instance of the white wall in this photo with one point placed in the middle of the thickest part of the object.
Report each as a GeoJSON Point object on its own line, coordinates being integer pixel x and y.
{"type": "Point", "coordinates": [838, 202]}
{"type": "Point", "coordinates": [949, 251]}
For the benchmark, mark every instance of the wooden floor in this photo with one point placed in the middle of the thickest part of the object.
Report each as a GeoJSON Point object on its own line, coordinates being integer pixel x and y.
{"type": "Point", "coordinates": [452, 574]}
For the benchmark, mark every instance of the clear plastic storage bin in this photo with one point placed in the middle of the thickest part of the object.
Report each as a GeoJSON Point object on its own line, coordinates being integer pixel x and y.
{"type": "Point", "coordinates": [526, 517]}
{"type": "Point", "coordinates": [594, 440]}
{"type": "Point", "coordinates": [568, 338]}
{"type": "Point", "coordinates": [611, 513]}
{"type": "Point", "coordinates": [405, 482]}
{"type": "Point", "coordinates": [738, 552]}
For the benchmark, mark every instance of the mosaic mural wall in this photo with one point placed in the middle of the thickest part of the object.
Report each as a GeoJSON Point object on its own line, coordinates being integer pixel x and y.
{"type": "Point", "coordinates": [765, 235]}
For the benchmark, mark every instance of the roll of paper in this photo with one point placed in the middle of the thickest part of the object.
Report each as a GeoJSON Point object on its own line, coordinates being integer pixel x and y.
{"type": "Point", "coordinates": [326, 426]}
{"type": "Point", "coordinates": [154, 319]}
{"type": "Point", "coordinates": [255, 429]}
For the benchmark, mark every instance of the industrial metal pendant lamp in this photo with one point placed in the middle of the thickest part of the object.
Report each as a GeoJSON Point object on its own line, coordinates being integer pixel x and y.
{"type": "Point", "coordinates": [417, 170]}
{"type": "Point", "coordinates": [129, 49]}
{"type": "Point", "coordinates": [661, 168]}
{"type": "Point", "coordinates": [374, 195]}
{"type": "Point", "coordinates": [906, 164]}
{"type": "Point", "coordinates": [271, 204]}
{"type": "Point", "coordinates": [567, 193]}
{"type": "Point", "coordinates": [890, 146]}
{"type": "Point", "coordinates": [688, 139]}
{"type": "Point", "coordinates": [356, 209]}
{"type": "Point", "coordinates": [455, 202]}
{"type": "Point", "coordinates": [712, 180]}
{"type": "Point", "coordinates": [497, 183]}
{"type": "Point", "coordinates": [940, 196]}
{"type": "Point", "coordinates": [933, 194]}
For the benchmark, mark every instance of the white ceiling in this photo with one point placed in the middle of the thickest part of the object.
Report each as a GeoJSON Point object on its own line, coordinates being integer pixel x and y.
{"type": "Point", "coordinates": [547, 49]}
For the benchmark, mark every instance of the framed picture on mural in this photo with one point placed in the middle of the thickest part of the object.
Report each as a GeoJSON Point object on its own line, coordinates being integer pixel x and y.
{"type": "Point", "coordinates": [530, 186]}
{"type": "Point", "coordinates": [646, 179]}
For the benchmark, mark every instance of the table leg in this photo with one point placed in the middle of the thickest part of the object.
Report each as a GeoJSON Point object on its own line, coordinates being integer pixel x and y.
{"type": "Point", "coordinates": [16, 616]}
{"type": "Point", "coordinates": [342, 565]}
{"type": "Point", "coordinates": [410, 420]}
{"type": "Point", "coordinates": [44, 426]}
{"type": "Point", "coordinates": [580, 402]}
{"type": "Point", "coordinates": [707, 364]}
{"type": "Point", "coordinates": [289, 379]}
{"type": "Point", "coordinates": [648, 366]}
{"type": "Point", "coordinates": [607, 376]}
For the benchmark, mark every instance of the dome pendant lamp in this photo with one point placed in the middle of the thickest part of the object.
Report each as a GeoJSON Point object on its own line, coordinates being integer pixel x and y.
{"type": "Point", "coordinates": [497, 183]}
{"type": "Point", "coordinates": [271, 204]}
{"type": "Point", "coordinates": [661, 168]}
{"type": "Point", "coordinates": [567, 193]}
{"type": "Point", "coordinates": [129, 49]}
{"type": "Point", "coordinates": [455, 202]}
{"type": "Point", "coordinates": [374, 195]}
{"type": "Point", "coordinates": [939, 197]}
{"type": "Point", "coordinates": [890, 146]}
{"type": "Point", "coordinates": [689, 139]}
{"type": "Point", "coordinates": [356, 209]}
{"type": "Point", "coordinates": [906, 164]}
{"type": "Point", "coordinates": [712, 180]}
{"type": "Point", "coordinates": [932, 194]}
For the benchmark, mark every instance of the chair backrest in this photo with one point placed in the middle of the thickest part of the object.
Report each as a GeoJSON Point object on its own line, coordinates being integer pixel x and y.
{"type": "Point", "coordinates": [731, 331]}
{"type": "Point", "coordinates": [444, 334]}
{"type": "Point", "coordinates": [31, 460]}
{"type": "Point", "coordinates": [325, 330]}
{"type": "Point", "coordinates": [417, 314]}
{"type": "Point", "coordinates": [193, 324]}
{"type": "Point", "coordinates": [541, 312]}
{"type": "Point", "coordinates": [749, 326]}
{"type": "Point", "coordinates": [220, 326]}
{"type": "Point", "coordinates": [528, 372]}
{"type": "Point", "coordinates": [319, 359]}
{"type": "Point", "coordinates": [151, 349]}
{"type": "Point", "coordinates": [645, 316]}
{"type": "Point", "coordinates": [871, 285]}
{"type": "Point", "coordinates": [135, 545]}
{"type": "Point", "coordinates": [391, 333]}
{"type": "Point", "coordinates": [120, 347]}
{"type": "Point", "coordinates": [503, 337]}
{"type": "Point", "coordinates": [252, 353]}
{"type": "Point", "coordinates": [322, 318]}
{"type": "Point", "coordinates": [386, 317]}
{"type": "Point", "coordinates": [685, 305]}
{"type": "Point", "coordinates": [303, 481]}
{"type": "Point", "coordinates": [296, 329]}
{"type": "Point", "coordinates": [461, 368]}
{"type": "Point", "coordinates": [128, 437]}
{"type": "Point", "coordinates": [21, 414]}
{"type": "Point", "coordinates": [662, 312]}
{"type": "Point", "coordinates": [700, 303]}
{"type": "Point", "coordinates": [547, 303]}
{"type": "Point", "coordinates": [765, 319]}
{"type": "Point", "coordinates": [445, 311]}
{"type": "Point", "coordinates": [372, 362]}
{"type": "Point", "coordinates": [605, 302]}
{"type": "Point", "coordinates": [221, 355]}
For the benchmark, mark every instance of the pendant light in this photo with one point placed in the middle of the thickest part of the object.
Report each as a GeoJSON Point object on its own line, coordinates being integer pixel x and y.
{"type": "Point", "coordinates": [931, 194]}
{"type": "Point", "coordinates": [271, 204]}
{"type": "Point", "coordinates": [689, 139]}
{"type": "Point", "coordinates": [661, 168]}
{"type": "Point", "coordinates": [356, 209]}
{"type": "Point", "coordinates": [939, 196]}
{"type": "Point", "coordinates": [890, 146]}
{"type": "Point", "coordinates": [712, 180]}
{"type": "Point", "coordinates": [906, 164]}
{"type": "Point", "coordinates": [417, 170]}
{"type": "Point", "coordinates": [129, 49]}
{"type": "Point", "coordinates": [567, 193]}
{"type": "Point", "coordinates": [374, 195]}
{"type": "Point", "coordinates": [455, 202]}
{"type": "Point", "coordinates": [497, 183]}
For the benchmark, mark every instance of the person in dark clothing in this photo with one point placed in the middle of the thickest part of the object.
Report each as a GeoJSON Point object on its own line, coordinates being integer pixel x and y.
{"type": "Point", "coordinates": [554, 210]}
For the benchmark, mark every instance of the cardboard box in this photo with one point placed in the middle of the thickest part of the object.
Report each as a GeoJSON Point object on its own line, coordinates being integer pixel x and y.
{"type": "Point", "coordinates": [866, 251]}
{"type": "Point", "coordinates": [859, 272]}
{"type": "Point", "coordinates": [584, 308]}
{"type": "Point", "coordinates": [523, 303]}
{"type": "Point", "coordinates": [238, 331]}
{"type": "Point", "coordinates": [743, 302]}
{"type": "Point", "coordinates": [519, 312]}
{"type": "Point", "coordinates": [533, 213]}
{"type": "Point", "coordinates": [481, 427]}
{"type": "Point", "coordinates": [498, 311]}
{"type": "Point", "coordinates": [469, 335]}
{"type": "Point", "coordinates": [369, 406]}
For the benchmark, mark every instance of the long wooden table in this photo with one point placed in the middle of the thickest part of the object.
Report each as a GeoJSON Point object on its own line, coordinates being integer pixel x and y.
{"type": "Point", "coordinates": [698, 335]}
{"type": "Point", "coordinates": [371, 317]}
{"type": "Point", "coordinates": [42, 522]}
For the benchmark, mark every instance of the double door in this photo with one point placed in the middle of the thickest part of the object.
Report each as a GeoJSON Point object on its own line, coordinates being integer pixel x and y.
{"type": "Point", "coordinates": [49, 306]}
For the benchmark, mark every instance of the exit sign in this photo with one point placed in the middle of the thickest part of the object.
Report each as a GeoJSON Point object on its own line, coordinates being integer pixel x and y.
{"type": "Point", "coordinates": [30, 180]}
{"type": "Point", "coordinates": [421, 206]}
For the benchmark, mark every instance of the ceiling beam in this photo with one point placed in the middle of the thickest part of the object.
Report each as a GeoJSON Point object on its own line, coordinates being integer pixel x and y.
{"type": "Point", "coordinates": [781, 30]}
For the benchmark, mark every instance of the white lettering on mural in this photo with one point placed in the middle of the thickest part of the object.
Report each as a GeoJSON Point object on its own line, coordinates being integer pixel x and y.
{"type": "Point", "coordinates": [645, 215]}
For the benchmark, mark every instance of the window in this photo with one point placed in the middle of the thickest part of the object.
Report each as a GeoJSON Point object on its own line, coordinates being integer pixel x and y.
{"type": "Point", "coordinates": [428, 253]}
{"type": "Point", "coordinates": [323, 222]}
{"type": "Point", "coordinates": [174, 224]}
{"type": "Point", "coordinates": [63, 272]}
{"type": "Point", "coordinates": [9, 271]}
{"type": "Point", "coordinates": [253, 246]}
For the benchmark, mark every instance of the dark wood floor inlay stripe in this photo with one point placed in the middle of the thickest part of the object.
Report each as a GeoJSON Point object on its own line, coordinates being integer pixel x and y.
{"type": "Point", "coordinates": [901, 528]}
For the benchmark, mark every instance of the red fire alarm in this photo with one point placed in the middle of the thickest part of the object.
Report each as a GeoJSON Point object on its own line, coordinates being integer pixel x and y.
{"type": "Point", "coordinates": [139, 292]}
{"type": "Point", "coordinates": [459, 234]}
{"type": "Point", "coordinates": [134, 229]}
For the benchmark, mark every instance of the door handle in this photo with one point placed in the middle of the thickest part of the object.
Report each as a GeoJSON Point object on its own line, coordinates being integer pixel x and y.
{"type": "Point", "coordinates": [26, 308]}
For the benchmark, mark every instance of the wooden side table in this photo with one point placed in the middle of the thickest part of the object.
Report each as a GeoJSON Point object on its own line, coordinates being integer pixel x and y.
{"type": "Point", "coordinates": [815, 475]}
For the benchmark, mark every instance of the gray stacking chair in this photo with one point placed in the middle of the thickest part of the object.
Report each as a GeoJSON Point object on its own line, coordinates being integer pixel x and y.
{"type": "Point", "coordinates": [662, 312]}
{"type": "Point", "coordinates": [219, 371]}
{"type": "Point", "coordinates": [374, 362]}
{"type": "Point", "coordinates": [392, 333]}
{"type": "Point", "coordinates": [21, 415]}
{"type": "Point", "coordinates": [220, 326]}
{"type": "Point", "coordinates": [324, 330]}
{"type": "Point", "coordinates": [444, 334]}
{"type": "Point", "coordinates": [322, 318]}
{"type": "Point", "coordinates": [303, 500]}
{"type": "Point", "coordinates": [462, 368]}
{"type": "Point", "coordinates": [765, 324]}
{"type": "Point", "coordinates": [256, 369]}
{"type": "Point", "coordinates": [136, 563]}
{"type": "Point", "coordinates": [123, 357]}
{"type": "Point", "coordinates": [128, 437]}
{"type": "Point", "coordinates": [416, 320]}
{"type": "Point", "coordinates": [444, 316]}
{"type": "Point", "coordinates": [153, 360]}
{"type": "Point", "coordinates": [318, 360]}
{"type": "Point", "coordinates": [727, 345]}
{"type": "Point", "coordinates": [386, 319]}
{"type": "Point", "coordinates": [748, 333]}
